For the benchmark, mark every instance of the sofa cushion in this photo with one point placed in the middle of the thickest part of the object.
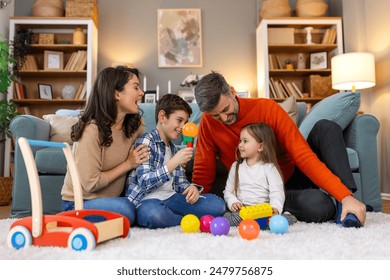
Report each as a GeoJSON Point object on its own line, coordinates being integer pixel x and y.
{"type": "Point", "coordinates": [340, 108]}
{"type": "Point", "coordinates": [60, 127]}
{"type": "Point", "coordinates": [290, 106]}
{"type": "Point", "coordinates": [50, 161]}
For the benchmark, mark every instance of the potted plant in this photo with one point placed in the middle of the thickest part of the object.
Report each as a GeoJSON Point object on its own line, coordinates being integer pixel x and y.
{"type": "Point", "coordinates": [7, 113]}
{"type": "Point", "coordinates": [289, 64]}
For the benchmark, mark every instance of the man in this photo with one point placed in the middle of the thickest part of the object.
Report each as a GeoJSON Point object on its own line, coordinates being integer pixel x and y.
{"type": "Point", "coordinates": [314, 171]}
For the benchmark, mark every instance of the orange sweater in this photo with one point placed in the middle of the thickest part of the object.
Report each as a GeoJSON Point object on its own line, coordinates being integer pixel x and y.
{"type": "Point", "coordinates": [217, 139]}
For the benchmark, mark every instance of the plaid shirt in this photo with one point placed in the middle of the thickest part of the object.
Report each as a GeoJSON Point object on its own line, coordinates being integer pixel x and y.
{"type": "Point", "coordinates": [154, 173]}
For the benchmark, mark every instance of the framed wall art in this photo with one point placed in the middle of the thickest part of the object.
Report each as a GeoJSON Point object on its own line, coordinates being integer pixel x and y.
{"type": "Point", "coordinates": [318, 60]}
{"type": "Point", "coordinates": [179, 38]}
{"type": "Point", "coordinates": [150, 97]}
{"type": "Point", "coordinates": [53, 60]}
{"type": "Point", "coordinates": [45, 91]}
{"type": "Point", "coordinates": [188, 96]}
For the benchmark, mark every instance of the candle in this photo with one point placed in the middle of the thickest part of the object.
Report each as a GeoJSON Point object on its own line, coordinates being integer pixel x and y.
{"type": "Point", "coordinates": [169, 86]}
{"type": "Point", "coordinates": [144, 83]}
{"type": "Point", "coordinates": [157, 92]}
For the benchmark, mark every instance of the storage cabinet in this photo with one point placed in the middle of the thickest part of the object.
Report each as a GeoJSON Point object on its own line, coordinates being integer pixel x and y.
{"type": "Point", "coordinates": [54, 36]}
{"type": "Point", "coordinates": [308, 44]}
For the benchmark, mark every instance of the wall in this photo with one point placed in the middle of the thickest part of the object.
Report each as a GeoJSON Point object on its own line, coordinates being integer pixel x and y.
{"type": "Point", "coordinates": [5, 14]}
{"type": "Point", "coordinates": [367, 28]}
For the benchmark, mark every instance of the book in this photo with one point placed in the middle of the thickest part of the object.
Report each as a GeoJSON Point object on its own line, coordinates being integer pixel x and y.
{"type": "Point", "coordinates": [70, 61]}
{"type": "Point", "coordinates": [83, 91]}
{"type": "Point", "coordinates": [82, 61]}
{"type": "Point", "coordinates": [78, 92]}
{"type": "Point", "coordinates": [300, 94]}
{"type": "Point", "coordinates": [285, 88]}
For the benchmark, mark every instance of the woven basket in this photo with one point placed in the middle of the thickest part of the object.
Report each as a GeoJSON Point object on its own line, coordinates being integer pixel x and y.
{"type": "Point", "coordinates": [5, 190]}
{"type": "Point", "coordinates": [82, 8]}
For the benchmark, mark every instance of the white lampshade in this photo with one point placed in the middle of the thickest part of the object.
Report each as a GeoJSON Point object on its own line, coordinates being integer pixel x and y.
{"type": "Point", "coordinates": [351, 71]}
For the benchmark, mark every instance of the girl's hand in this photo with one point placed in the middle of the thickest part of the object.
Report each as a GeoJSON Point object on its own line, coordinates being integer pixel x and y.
{"type": "Point", "coordinates": [236, 206]}
{"type": "Point", "coordinates": [138, 155]}
{"type": "Point", "coordinates": [192, 194]}
{"type": "Point", "coordinates": [275, 211]}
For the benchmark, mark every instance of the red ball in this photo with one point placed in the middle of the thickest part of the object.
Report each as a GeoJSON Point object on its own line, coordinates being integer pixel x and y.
{"type": "Point", "coordinates": [205, 222]}
{"type": "Point", "coordinates": [249, 229]}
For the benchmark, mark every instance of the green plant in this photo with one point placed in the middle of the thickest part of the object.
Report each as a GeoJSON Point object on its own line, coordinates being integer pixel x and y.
{"type": "Point", "coordinates": [7, 107]}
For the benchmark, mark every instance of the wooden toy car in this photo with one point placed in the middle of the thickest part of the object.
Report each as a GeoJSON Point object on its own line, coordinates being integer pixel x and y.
{"type": "Point", "coordinates": [78, 229]}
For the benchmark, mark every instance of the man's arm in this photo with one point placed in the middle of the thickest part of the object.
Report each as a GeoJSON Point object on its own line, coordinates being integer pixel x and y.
{"type": "Point", "coordinates": [205, 158]}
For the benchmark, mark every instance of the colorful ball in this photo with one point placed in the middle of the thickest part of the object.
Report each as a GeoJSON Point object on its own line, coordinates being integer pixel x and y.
{"type": "Point", "coordinates": [278, 224]}
{"type": "Point", "coordinates": [219, 226]}
{"type": "Point", "coordinates": [249, 229]}
{"type": "Point", "coordinates": [205, 222]}
{"type": "Point", "coordinates": [190, 129]}
{"type": "Point", "coordinates": [190, 223]}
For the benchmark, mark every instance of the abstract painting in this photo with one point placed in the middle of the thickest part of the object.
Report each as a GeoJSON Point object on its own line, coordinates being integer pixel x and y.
{"type": "Point", "coordinates": [179, 38]}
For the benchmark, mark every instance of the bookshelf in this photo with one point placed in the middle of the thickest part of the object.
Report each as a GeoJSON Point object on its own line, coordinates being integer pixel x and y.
{"type": "Point", "coordinates": [55, 35]}
{"type": "Point", "coordinates": [281, 39]}
{"type": "Point", "coordinates": [78, 67]}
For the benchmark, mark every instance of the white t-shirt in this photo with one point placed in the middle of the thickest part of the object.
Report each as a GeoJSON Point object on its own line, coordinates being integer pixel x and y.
{"type": "Point", "coordinates": [165, 191]}
{"type": "Point", "coordinates": [259, 183]}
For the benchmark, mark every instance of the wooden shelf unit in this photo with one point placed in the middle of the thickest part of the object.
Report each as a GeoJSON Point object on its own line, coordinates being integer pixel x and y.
{"type": "Point", "coordinates": [291, 50]}
{"type": "Point", "coordinates": [62, 28]}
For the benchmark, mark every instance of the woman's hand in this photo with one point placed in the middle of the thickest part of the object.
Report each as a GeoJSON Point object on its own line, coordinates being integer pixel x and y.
{"type": "Point", "coordinates": [138, 155]}
{"type": "Point", "coordinates": [192, 194]}
{"type": "Point", "coordinates": [236, 206]}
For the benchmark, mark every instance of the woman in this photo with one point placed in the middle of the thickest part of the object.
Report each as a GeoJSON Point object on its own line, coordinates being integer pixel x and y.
{"type": "Point", "coordinates": [103, 142]}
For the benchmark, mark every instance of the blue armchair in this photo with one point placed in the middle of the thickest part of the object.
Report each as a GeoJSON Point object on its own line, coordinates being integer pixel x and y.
{"type": "Point", "coordinates": [360, 138]}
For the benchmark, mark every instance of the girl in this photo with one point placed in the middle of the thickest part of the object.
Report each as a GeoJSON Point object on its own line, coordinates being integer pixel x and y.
{"type": "Point", "coordinates": [255, 177]}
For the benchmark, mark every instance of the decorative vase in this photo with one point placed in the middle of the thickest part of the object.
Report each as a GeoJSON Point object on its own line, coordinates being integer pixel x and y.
{"type": "Point", "coordinates": [68, 92]}
{"type": "Point", "coordinates": [48, 8]}
{"type": "Point", "coordinates": [301, 64]}
{"type": "Point", "coordinates": [308, 35]}
{"type": "Point", "coordinates": [78, 36]}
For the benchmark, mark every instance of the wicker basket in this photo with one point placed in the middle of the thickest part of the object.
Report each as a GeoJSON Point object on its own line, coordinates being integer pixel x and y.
{"type": "Point", "coordinates": [82, 8]}
{"type": "Point", "coordinates": [5, 190]}
{"type": "Point", "coordinates": [318, 86]}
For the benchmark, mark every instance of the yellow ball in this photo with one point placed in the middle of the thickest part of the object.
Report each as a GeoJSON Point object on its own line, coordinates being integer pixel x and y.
{"type": "Point", "coordinates": [190, 223]}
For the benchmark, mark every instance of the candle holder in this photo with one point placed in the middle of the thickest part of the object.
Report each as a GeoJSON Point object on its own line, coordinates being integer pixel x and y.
{"type": "Point", "coordinates": [308, 35]}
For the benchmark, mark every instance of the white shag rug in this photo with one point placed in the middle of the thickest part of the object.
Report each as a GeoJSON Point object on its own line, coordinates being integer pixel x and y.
{"type": "Point", "coordinates": [303, 241]}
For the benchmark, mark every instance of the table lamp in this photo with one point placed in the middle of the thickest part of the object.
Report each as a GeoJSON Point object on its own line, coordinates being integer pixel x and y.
{"type": "Point", "coordinates": [352, 71]}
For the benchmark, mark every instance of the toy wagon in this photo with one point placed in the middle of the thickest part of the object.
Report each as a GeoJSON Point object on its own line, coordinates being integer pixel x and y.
{"type": "Point", "coordinates": [73, 229]}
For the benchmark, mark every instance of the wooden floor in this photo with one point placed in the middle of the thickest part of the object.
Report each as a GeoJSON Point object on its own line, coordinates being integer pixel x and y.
{"type": "Point", "coordinates": [5, 210]}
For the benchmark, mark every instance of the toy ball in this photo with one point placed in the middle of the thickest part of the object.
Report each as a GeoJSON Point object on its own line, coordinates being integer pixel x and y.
{"type": "Point", "coordinates": [278, 224]}
{"type": "Point", "coordinates": [190, 223]}
{"type": "Point", "coordinates": [249, 229]}
{"type": "Point", "coordinates": [190, 129]}
{"type": "Point", "coordinates": [219, 226]}
{"type": "Point", "coordinates": [205, 222]}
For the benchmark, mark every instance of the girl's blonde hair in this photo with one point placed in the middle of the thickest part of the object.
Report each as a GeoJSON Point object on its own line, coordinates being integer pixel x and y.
{"type": "Point", "coordinates": [263, 134]}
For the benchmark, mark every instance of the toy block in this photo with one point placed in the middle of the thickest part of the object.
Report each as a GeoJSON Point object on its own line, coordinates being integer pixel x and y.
{"type": "Point", "coordinates": [256, 211]}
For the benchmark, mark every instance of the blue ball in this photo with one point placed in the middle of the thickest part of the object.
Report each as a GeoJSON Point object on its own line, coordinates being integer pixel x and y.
{"type": "Point", "coordinates": [219, 226]}
{"type": "Point", "coordinates": [278, 224]}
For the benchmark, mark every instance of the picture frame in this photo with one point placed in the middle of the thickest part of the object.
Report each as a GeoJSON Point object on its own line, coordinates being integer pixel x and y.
{"type": "Point", "coordinates": [179, 37]}
{"type": "Point", "coordinates": [188, 96]}
{"type": "Point", "coordinates": [53, 60]}
{"type": "Point", "coordinates": [45, 91]}
{"type": "Point", "coordinates": [319, 60]}
{"type": "Point", "coordinates": [150, 97]}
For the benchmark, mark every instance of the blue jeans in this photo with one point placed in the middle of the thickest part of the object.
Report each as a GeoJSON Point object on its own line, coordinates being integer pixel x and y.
{"type": "Point", "coordinates": [119, 205]}
{"type": "Point", "coordinates": [155, 213]}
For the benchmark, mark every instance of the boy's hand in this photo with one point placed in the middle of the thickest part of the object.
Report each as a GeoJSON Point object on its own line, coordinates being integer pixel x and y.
{"type": "Point", "coordinates": [192, 194]}
{"type": "Point", "coordinates": [181, 157]}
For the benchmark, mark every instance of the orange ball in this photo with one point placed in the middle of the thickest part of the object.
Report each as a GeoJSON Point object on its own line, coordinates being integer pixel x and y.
{"type": "Point", "coordinates": [190, 129]}
{"type": "Point", "coordinates": [249, 229]}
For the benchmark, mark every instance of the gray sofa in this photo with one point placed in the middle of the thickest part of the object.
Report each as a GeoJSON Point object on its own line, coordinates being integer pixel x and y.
{"type": "Point", "coordinates": [360, 138]}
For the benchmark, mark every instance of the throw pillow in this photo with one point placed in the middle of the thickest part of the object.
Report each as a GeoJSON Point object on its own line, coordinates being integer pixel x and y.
{"type": "Point", "coordinates": [60, 127]}
{"type": "Point", "coordinates": [290, 106]}
{"type": "Point", "coordinates": [340, 108]}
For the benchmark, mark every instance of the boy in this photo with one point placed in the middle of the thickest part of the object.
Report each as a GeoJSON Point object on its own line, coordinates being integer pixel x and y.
{"type": "Point", "coordinates": [159, 187]}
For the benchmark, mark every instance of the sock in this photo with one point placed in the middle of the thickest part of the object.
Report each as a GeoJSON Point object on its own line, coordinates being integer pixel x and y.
{"type": "Point", "coordinates": [290, 218]}
{"type": "Point", "coordinates": [349, 221]}
{"type": "Point", "coordinates": [233, 218]}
